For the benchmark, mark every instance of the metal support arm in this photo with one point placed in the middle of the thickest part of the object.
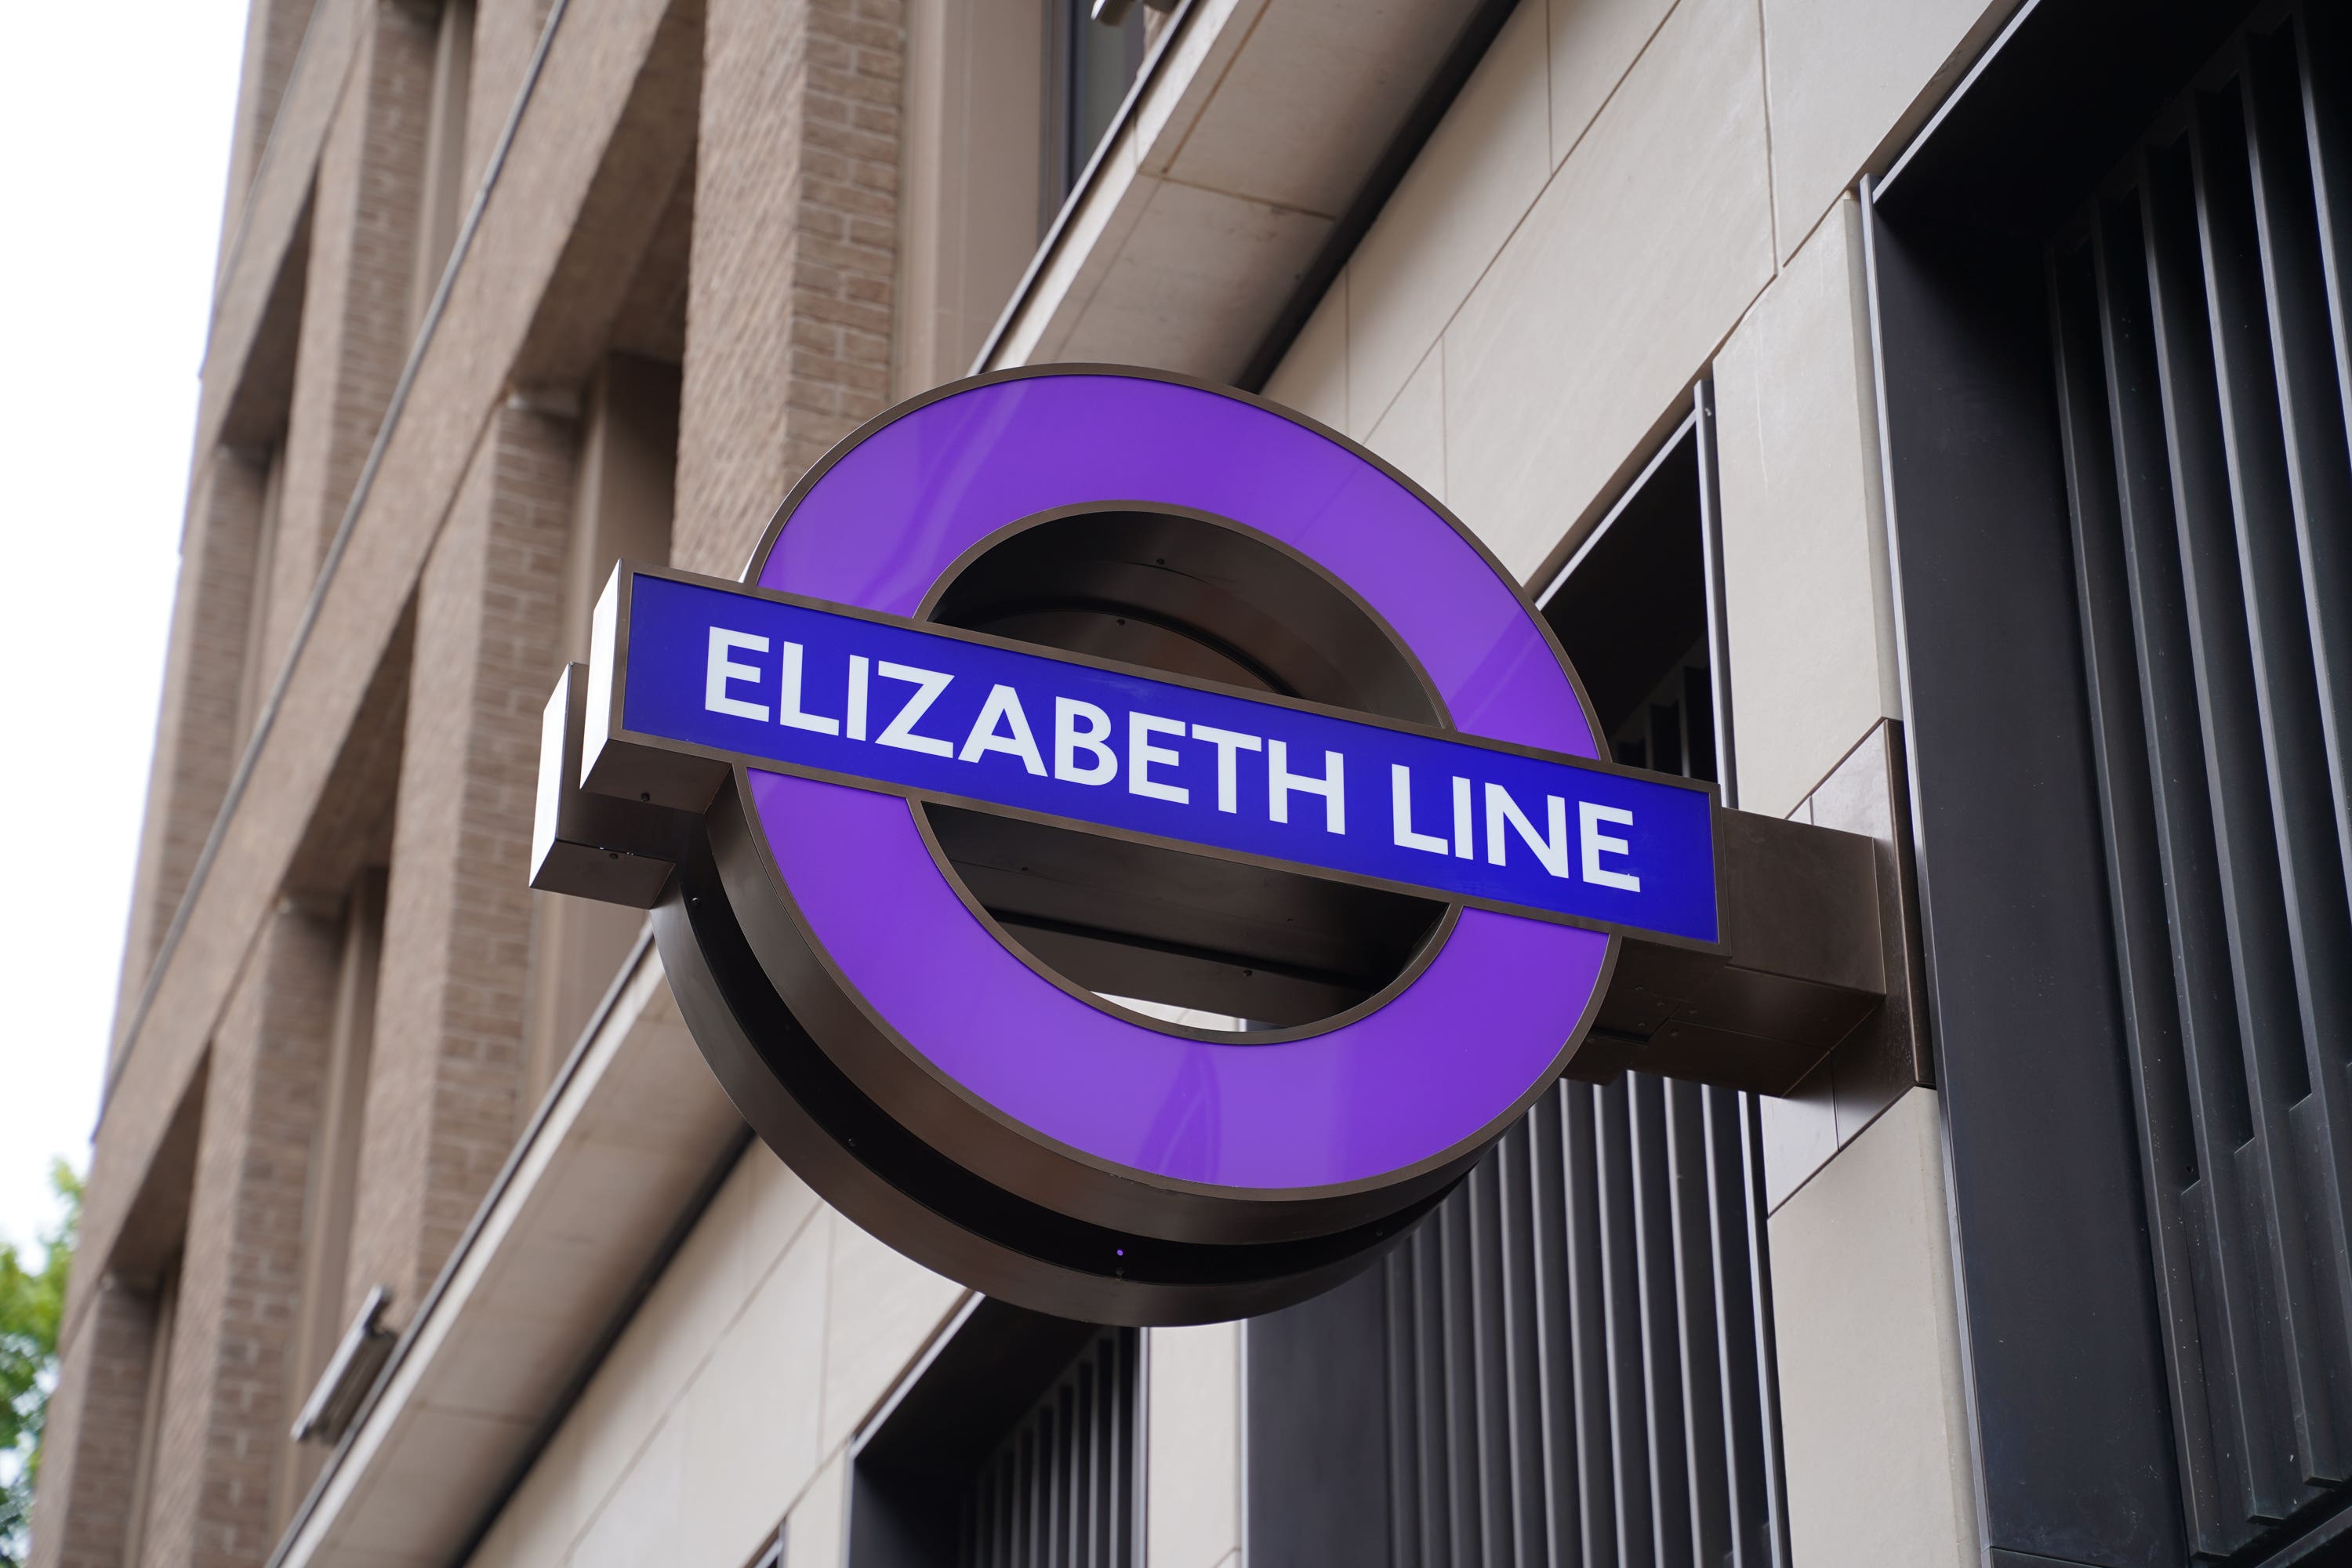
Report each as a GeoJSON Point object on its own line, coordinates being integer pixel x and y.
{"type": "Point", "coordinates": [1804, 963]}
{"type": "Point", "coordinates": [1805, 956]}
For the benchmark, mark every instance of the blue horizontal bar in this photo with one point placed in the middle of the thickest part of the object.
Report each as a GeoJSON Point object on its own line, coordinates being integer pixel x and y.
{"type": "Point", "coordinates": [916, 711]}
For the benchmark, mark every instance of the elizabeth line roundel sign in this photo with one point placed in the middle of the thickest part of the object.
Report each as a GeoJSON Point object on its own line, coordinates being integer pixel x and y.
{"type": "Point", "coordinates": [1057, 693]}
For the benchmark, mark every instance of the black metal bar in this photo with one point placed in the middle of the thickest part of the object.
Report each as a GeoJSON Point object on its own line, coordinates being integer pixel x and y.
{"type": "Point", "coordinates": [2322, 35]}
{"type": "Point", "coordinates": [1654, 1175]}
{"type": "Point", "coordinates": [1621, 1316]}
{"type": "Point", "coordinates": [1588, 1318]}
{"type": "Point", "coordinates": [1555, 1359]}
{"type": "Point", "coordinates": [1522, 1390]}
{"type": "Point", "coordinates": [1752, 1385]}
{"type": "Point", "coordinates": [2169, 1159]}
{"type": "Point", "coordinates": [1491, 1458]}
{"type": "Point", "coordinates": [2212, 636]}
{"type": "Point", "coordinates": [1698, 1323]}
{"type": "Point", "coordinates": [2219, 431]}
{"type": "Point", "coordinates": [2264, 259]}
{"type": "Point", "coordinates": [1429, 1368]}
{"type": "Point", "coordinates": [1458, 1355]}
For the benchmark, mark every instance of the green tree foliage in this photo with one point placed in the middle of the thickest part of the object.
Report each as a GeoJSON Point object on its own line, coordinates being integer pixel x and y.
{"type": "Point", "coordinates": [32, 1305]}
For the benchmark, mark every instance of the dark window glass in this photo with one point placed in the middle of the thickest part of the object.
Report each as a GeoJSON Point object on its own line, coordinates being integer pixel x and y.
{"type": "Point", "coordinates": [1014, 1447]}
{"type": "Point", "coordinates": [1089, 66]}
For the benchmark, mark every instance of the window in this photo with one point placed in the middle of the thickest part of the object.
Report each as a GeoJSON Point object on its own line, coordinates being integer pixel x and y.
{"type": "Point", "coordinates": [332, 1194]}
{"type": "Point", "coordinates": [1088, 67]}
{"type": "Point", "coordinates": [1013, 1447]}
{"type": "Point", "coordinates": [442, 203]}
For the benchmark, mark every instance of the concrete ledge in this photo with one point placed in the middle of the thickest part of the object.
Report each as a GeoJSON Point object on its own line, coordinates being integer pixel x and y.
{"type": "Point", "coordinates": [1252, 128]}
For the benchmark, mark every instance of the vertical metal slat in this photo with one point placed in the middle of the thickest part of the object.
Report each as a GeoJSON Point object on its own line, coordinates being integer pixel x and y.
{"type": "Point", "coordinates": [1629, 1446]}
{"type": "Point", "coordinates": [1490, 1356]}
{"type": "Point", "coordinates": [1596, 1475]}
{"type": "Point", "coordinates": [1698, 1310]}
{"type": "Point", "coordinates": [2322, 37]}
{"type": "Point", "coordinates": [1555, 1355]}
{"type": "Point", "coordinates": [2129, 814]}
{"type": "Point", "coordinates": [2269, 272]}
{"type": "Point", "coordinates": [1653, 1172]}
{"type": "Point", "coordinates": [2213, 617]}
{"type": "Point", "coordinates": [2224, 633]}
{"type": "Point", "coordinates": [1523, 1387]}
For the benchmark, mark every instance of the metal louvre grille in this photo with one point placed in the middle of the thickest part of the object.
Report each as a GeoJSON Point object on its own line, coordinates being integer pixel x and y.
{"type": "Point", "coordinates": [1059, 1491]}
{"type": "Point", "coordinates": [1574, 1343]}
{"type": "Point", "coordinates": [2200, 310]}
{"type": "Point", "coordinates": [1575, 1375]}
{"type": "Point", "coordinates": [1577, 1370]}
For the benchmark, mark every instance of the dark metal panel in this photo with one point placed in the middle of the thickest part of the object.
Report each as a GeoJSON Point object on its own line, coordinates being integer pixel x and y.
{"type": "Point", "coordinates": [1621, 1318]}
{"type": "Point", "coordinates": [1556, 1372]}
{"type": "Point", "coordinates": [2207, 468]}
{"type": "Point", "coordinates": [2106, 476]}
{"type": "Point", "coordinates": [1589, 1325]}
{"type": "Point", "coordinates": [1700, 1306]}
{"type": "Point", "coordinates": [1523, 1357]}
{"type": "Point", "coordinates": [1319, 1487]}
{"type": "Point", "coordinates": [2066, 1384]}
{"type": "Point", "coordinates": [2195, 322]}
{"type": "Point", "coordinates": [1656, 1336]}
{"type": "Point", "coordinates": [1559, 1366]}
{"type": "Point", "coordinates": [2310, 918]}
{"type": "Point", "coordinates": [2324, 518]}
{"type": "Point", "coordinates": [1751, 1392]}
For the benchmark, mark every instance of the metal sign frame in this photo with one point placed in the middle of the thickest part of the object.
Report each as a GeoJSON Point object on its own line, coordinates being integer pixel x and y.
{"type": "Point", "coordinates": [931, 1076]}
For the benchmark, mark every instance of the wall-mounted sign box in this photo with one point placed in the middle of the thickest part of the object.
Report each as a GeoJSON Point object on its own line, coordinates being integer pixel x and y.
{"type": "Point", "coordinates": [1055, 694]}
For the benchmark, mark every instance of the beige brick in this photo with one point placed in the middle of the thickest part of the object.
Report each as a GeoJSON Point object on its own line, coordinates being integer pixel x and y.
{"type": "Point", "coordinates": [198, 737]}
{"type": "Point", "coordinates": [506, 31]}
{"type": "Point", "coordinates": [273, 37]}
{"type": "Point", "coordinates": [355, 330]}
{"type": "Point", "coordinates": [558, 158]}
{"type": "Point", "coordinates": [90, 1449]}
{"type": "Point", "coordinates": [227, 1401]}
{"type": "Point", "coordinates": [443, 1098]}
{"type": "Point", "coordinates": [794, 262]}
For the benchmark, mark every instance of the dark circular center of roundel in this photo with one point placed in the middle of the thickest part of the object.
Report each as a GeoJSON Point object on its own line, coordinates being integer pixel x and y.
{"type": "Point", "coordinates": [1194, 596]}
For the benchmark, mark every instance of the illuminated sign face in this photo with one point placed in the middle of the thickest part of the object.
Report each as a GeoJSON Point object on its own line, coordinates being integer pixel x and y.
{"type": "Point", "coordinates": [1055, 695]}
{"type": "Point", "coordinates": [794, 687]}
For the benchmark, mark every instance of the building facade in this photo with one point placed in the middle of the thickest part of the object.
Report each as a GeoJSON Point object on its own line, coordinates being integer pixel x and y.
{"type": "Point", "coordinates": [1928, 420]}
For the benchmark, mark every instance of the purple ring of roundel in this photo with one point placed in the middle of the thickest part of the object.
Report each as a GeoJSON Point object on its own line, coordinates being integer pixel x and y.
{"type": "Point", "coordinates": [1360, 1101]}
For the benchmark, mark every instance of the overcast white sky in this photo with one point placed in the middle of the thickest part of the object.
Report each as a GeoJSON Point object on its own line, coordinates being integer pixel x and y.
{"type": "Point", "coordinates": [114, 124]}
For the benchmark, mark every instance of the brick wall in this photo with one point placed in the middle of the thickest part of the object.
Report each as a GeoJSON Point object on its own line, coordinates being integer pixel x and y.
{"type": "Point", "coordinates": [504, 34]}
{"type": "Point", "coordinates": [90, 1451]}
{"type": "Point", "coordinates": [355, 330]}
{"type": "Point", "coordinates": [789, 308]}
{"type": "Point", "coordinates": [273, 37]}
{"type": "Point", "coordinates": [196, 738]}
{"type": "Point", "coordinates": [444, 1099]}
{"type": "Point", "coordinates": [795, 250]}
{"type": "Point", "coordinates": [226, 1399]}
